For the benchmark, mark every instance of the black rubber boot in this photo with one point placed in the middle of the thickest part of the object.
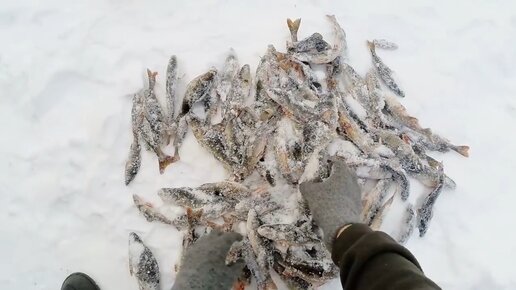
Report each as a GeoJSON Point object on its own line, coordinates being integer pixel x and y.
{"type": "Point", "coordinates": [79, 281]}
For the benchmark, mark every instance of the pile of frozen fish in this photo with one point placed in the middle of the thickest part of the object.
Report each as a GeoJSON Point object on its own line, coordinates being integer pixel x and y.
{"type": "Point", "coordinates": [272, 131]}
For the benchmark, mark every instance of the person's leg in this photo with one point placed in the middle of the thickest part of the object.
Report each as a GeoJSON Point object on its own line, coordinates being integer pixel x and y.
{"type": "Point", "coordinates": [79, 281]}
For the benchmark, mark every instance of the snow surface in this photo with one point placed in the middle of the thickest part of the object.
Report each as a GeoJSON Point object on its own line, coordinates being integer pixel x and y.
{"type": "Point", "coordinates": [68, 69]}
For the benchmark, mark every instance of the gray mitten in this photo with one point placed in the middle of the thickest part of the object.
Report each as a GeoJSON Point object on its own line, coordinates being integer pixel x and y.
{"type": "Point", "coordinates": [334, 202]}
{"type": "Point", "coordinates": [203, 266]}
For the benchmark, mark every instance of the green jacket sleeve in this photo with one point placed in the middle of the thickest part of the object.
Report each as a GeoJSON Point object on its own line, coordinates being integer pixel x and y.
{"type": "Point", "coordinates": [370, 260]}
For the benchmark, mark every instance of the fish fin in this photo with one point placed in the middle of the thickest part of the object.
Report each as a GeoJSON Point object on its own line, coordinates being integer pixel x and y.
{"type": "Point", "coordinates": [462, 150]}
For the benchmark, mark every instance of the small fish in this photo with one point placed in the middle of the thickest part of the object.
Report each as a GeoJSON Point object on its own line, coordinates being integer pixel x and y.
{"type": "Point", "coordinates": [431, 177]}
{"type": "Point", "coordinates": [238, 129]}
{"type": "Point", "coordinates": [376, 101]}
{"type": "Point", "coordinates": [134, 161]}
{"type": "Point", "coordinates": [262, 205]}
{"type": "Point", "coordinates": [212, 206]}
{"type": "Point", "coordinates": [409, 223]}
{"type": "Point", "coordinates": [373, 200]}
{"type": "Point", "coordinates": [181, 130]}
{"type": "Point", "coordinates": [380, 169]}
{"type": "Point", "coordinates": [152, 141]}
{"type": "Point", "coordinates": [193, 220]}
{"type": "Point", "coordinates": [370, 97]}
{"type": "Point", "coordinates": [353, 78]}
{"type": "Point", "coordinates": [376, 222]}
{"type": "Point", "coordinates": [212, 138]}
{"type": "Point", "coordinates": [425, 212]}
{"type": "Point", "coordinates": [267, 167]}
{"type": "Point", "coordinates": [226, 226]}
{"type": "Point", "coordinates": [316, 135]}
{"type": "Point", "coordinates": [384, 72]}
{"type": "Point", "coordinates": [153, 110]}
{"type": "Point", "coordinates": [198, 90]}
{"type": "Point", "coordinates": [224, 82]}
{"type": "Point", "coordinates": [132, 166]}
{"type": "Point", "coordinates": [431, 141]}
{"type": "Point", "coordinates": [294, 102]}
{"type": "Point", "coordinates": [188, 197]}
{"type": "Point", "coordinates": [333, 72]}
{"type": "Point", "coordinates": [151, 214]}
{"type": "Point", "coordinates": [255, 150]}
{"type": "Point", "coordinates": [262, 251]}
{"type": "Point", "coordinates": [288, 151]}
{"type": "Point", "coordinates": [311, 263]}
{"type": "Point", "coordinates": [385, 44]}
{"type": "Point", "coordinates": [327, 109]}
{"type": "Point", "coordinates": [171, 87]}
{"type": "Point", "coordinates": [143, 264]}
{"type": "Point", "coordinates": [309, 255]}
{"type": "Point", "coordinates": [293, 27]}
{"type": "Point", "coordinates": [239, 92]}
{"type": "Point", "coordinates": [235, 253]}
{"type": "Point", "coordinates": [292, 282]}
{"type": "Point", "coordinates": [408, 159]}
{"type": "Point", "coordinates": [267, 75]}
{"type": "Point", "coordinates": [401, 179]}
{"type": "Point", "coordinates": [349, 128]}
{"type": "Point", "coordinates": [226, 189]}
{"type": "Point", "coordinates": [152, 128]}
{"type": "Point", "coordinates": [243, 250]}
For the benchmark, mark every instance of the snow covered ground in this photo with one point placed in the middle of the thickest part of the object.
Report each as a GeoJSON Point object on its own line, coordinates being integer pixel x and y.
{"type": "Point", "coordinates": [67, 70]}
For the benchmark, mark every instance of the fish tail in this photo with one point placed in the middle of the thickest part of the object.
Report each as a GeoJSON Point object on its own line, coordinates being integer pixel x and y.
{"type": "Point", "coordinates": [371, 46]}
{"type": "Point", "coordinates": [152, 78]}
{"type": "Point", "coordinates": [152, 74]}
{"type": "Point", "coordinates": [462, 150]}
{"type": "Point", "coordinates": [293, 25]}
{"type": "Point", "coordinates": [166, 161]}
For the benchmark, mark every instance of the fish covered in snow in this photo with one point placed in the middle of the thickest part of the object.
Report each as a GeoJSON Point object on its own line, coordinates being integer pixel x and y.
{"type": "Point", "coordinates": [384, 72]}
{"type": "Point", "coordinates": [302, 108]}
{"type": "Point", "coordinates": [142, 264]}
{"type": "Point", "coordinates": [324, 56]}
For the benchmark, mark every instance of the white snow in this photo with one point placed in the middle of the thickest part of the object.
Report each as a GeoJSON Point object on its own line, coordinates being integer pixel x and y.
{"type": "Point", "coordinates": [68, 69]}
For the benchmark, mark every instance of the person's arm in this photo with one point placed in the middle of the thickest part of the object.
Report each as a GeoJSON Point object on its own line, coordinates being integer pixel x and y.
{"type": "Point", "coordinates": [372, 260]}
{"type": "Point", "coordinates": [368, 260]}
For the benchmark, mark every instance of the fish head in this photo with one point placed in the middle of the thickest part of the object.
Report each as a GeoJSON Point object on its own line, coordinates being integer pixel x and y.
{"type": "Point", "coordinates": [134, 238]}
{"type": "Point", "coordinates": [210, 75]}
